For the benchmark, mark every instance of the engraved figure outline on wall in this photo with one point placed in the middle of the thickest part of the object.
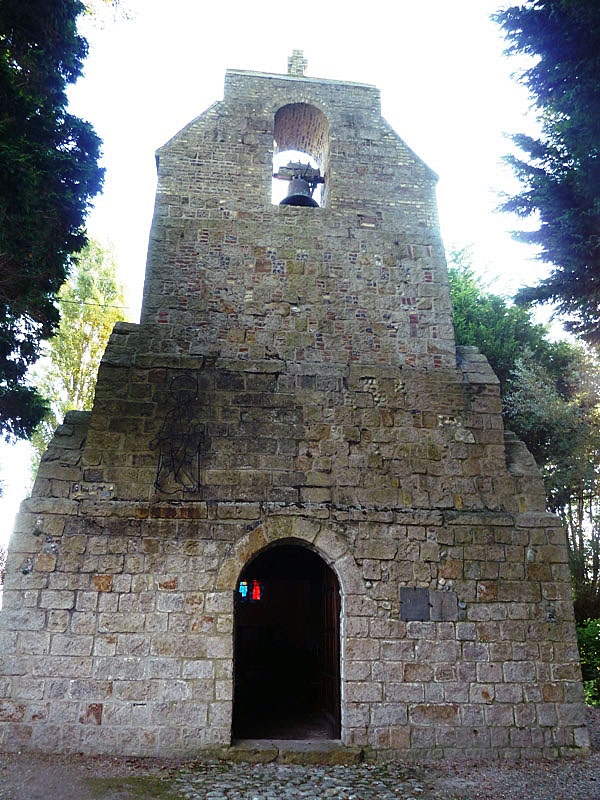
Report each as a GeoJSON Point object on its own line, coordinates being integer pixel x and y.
{"type": "Point", "coordinates": [181, 439]}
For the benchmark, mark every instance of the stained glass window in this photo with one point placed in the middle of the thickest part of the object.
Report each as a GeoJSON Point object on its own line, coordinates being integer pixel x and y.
{"type": "Point", "coordinates": [250, 591]}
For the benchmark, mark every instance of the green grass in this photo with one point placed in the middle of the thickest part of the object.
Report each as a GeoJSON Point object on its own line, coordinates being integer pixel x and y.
{"type": "Point", "coordinates": [144, 787]}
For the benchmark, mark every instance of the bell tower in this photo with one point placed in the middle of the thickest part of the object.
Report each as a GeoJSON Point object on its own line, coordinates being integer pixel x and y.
{"type": "Point", "coordinates": [292, 483]}
{"type": "Point", "coordinates": [360, 279]}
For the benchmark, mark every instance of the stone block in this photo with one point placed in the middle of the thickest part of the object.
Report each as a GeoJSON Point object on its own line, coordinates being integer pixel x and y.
{"type": "Point", "coordinates": [455, 693]}
{"type": "Point", "coordinates": [170, 602]}
{"type": "Point", "coordinates": [519, 671]}
{"type": "Point", "coordinates": [118, 668]}
{"type": "Point", "coordinates": [482, 693]}
{"type": "Point", "coordinates": [571, 714]}
{"type": "Point", "coordinates": [86, 601]}
{"type": "Point", "coordinates": [329, 542]}
{"type": "Point", "coordinates": [509, 693]}
{"type": "Point", "coordinates": [58, 621]}
{"type": "Point", "coordinates": [475, 651]}
{"type": "Point", "coordinates": [108, 602]}
{"type": "Point", "coordinates": [57, 599]}
{"type": "Point", "coordinates": [415, 672]}
{"type": "Point", "coordinates": [182, 646]}
{"type": "Point", "coordinates": [428, 651]}
{"type": "Point", "coordinates": [83, 622]}
{"type": "Point", "coordinates": [11, 711]}
{"type": "Point", "coordinates": [131, 644]}
{"type": "Point", "coordinates": [360, 671]}
{"type": "Point", "coordinates": [219, 714]}
{"type": "Point", "coordinates": [489, 672]}
{"type": "Point", "coordinates": [218, 603]}
{"type": "Point", "coordinates": [33, 643]}
{"type": "Point", "coordinates": [501, 715]}
{"type": "Point", "coordinates": [23, 619]}
{"type": "Point", "coordinates": [45, 562]}
{"type": "Point", "coordinates": [102, 583]}
{"type": "Point", "coordinates": [24, 688]}
{"type": "Point", "coordinates": [519, 592]}
{"type": "Point", "coordinates": [472, 716]}
{"type": "Point", "coordinates": [62, 667]}
{"type": "Point", "coordinates": [219, 647]}
{"type": "Point", "coordinates": [420, 630]}
{"type": "Point", "coordinates": [434, 693]}
{"type": "Point", "coordinates": [431, 714]}
{"type": "Point", "coordinates": [120, 622]}
{"type": "Point", "coordinates": [63, 645]}
{"type": "Point", "coordinates": [364, 691]}
{"type": "Point", "coordinates": [362, 649]}
{"type": "Point", "coordinates": [581, 738]}
{"type": "Point", "coordinates": [403, 692]}
{"type": "Point", "coordinates": [466, 631]}
{"type": "Point", "coordinates": [90, 689]}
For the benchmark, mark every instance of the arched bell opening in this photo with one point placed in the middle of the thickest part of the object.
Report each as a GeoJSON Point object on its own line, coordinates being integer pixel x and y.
{"type": "Point", "coordinates": [287, 647]}
{"type": "Point", "coordinates": [300, 155]}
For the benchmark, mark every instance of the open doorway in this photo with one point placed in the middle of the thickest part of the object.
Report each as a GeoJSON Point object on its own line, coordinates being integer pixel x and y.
{"type": "Point", "coordinates": [287, 651]}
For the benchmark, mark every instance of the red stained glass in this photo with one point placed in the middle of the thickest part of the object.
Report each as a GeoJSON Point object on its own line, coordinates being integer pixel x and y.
{"type": "Point", "coordinates": [250, 591]}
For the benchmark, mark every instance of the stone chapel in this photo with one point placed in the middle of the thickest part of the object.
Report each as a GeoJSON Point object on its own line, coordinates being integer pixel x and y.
{"type": "Point", "coordinates": [293, 511]}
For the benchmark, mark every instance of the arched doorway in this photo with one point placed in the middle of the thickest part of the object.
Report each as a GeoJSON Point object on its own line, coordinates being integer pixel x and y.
{"type": "Point", "coordinates": [287, 651]}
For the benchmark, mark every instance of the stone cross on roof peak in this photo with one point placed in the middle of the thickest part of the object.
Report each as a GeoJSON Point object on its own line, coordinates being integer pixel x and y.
{"type": "Point", "coordinates": [297, 63]}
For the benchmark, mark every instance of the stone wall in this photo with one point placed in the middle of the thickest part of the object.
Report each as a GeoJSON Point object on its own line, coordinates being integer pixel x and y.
{"type": "Point", "coordinates": [120, 628]}
{"type": "Point", "coordinates": [118, 611]}
{"type": "Point", "coordinates": [293, 380]}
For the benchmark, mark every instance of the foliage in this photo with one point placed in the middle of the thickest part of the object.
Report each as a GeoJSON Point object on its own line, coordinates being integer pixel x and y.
{"type": "Point", "coordinates": [94, 6]}
{"type": "Point", "coordinates": [560, 170]}
{"type": "Point", "coordinates": [588, 639]}
{"type": "Point", "coordinates": [559, 419]}
{"type": "Point", "coordinates": [100, 9]}
{"type": "Point", "coordinates": [48, 173]}
{"type": "Point", "coordinates": [3, 555]}
{"type": "Point", "coordinates": [501, 331]}
{"type": "Point", "coordinates": [90, 303]}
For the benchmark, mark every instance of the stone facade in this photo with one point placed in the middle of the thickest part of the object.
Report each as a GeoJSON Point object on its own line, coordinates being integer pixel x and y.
{"type": "Point", "coordinates": [293, 380]}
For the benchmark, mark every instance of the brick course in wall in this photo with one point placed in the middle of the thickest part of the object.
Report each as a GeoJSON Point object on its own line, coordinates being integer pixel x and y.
{"type": "Point", "coordinates": [308, 354]}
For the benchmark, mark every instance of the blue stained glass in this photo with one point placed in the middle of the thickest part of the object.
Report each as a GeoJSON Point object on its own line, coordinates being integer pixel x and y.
{"type": "Point", "coordinates": [243, 589]}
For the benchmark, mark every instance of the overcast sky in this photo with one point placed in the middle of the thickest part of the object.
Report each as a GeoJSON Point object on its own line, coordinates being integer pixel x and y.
{"type": "Point", "coordinates": [446, 89]}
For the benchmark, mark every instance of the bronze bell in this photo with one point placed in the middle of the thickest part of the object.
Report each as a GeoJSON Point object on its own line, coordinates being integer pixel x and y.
{"type": "Point", "coordinates": [299, 194]}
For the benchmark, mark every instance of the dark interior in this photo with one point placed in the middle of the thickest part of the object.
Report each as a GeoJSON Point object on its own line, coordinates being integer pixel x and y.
{"type": "Point", "coordinates": [286, 672]}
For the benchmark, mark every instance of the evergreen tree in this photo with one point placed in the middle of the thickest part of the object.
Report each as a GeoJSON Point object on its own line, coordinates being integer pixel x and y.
{"type": "Point", "coordinates": [560, 173]}
{"type": "Point", "coordinates": [48, 173]}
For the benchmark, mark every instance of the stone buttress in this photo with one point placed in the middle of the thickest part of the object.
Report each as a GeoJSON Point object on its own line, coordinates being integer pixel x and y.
{"type": "Point", "coordinates": [293, 382]}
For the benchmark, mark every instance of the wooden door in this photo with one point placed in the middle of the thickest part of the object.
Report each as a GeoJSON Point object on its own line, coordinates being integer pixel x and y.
{"type": "Point", "coordinates": [330, 657]}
